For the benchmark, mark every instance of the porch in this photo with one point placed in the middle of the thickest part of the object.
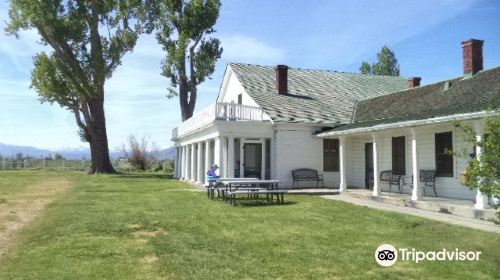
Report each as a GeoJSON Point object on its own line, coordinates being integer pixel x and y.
{"type": "Point", "coordinates": [236, 137]}
{"type": "Point", "coordinates": [410, 152]}
{"type": "Point", "coordinates": [235, 156]}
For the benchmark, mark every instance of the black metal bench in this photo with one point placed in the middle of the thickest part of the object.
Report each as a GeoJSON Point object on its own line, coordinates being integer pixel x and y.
{"type": "Point", "coordinates": [427, 180]}
{"type": "Point", "coordinates": [306, 174]}
{"type": "Point", "coordinates": [391, 178]}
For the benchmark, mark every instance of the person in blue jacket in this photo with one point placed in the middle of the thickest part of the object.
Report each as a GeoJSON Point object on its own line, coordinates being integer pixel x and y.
{"type": "Point", "coordinates": [211, 175]}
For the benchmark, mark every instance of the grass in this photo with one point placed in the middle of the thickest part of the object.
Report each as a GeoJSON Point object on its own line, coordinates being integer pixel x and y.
{"type": "Point", "coordinates": [152, 227]}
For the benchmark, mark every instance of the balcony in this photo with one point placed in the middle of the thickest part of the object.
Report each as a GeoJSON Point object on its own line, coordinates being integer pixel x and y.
{"type": "Point", "coordinates": [220, 112]}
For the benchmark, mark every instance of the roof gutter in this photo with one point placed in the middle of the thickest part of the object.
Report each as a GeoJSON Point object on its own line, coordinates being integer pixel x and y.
{"type": "Point", "coordinates": [456, 117]}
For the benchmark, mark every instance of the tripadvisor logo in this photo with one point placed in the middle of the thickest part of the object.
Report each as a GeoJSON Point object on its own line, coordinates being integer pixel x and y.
{"type": "Point", "coordinates": [387, 255]}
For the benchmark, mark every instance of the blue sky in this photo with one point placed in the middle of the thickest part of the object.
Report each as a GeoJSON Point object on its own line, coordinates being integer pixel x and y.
{"type": "Point", "coordinates": [333, 35]}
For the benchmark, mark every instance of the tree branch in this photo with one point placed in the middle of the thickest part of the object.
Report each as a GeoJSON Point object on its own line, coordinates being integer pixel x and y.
{"type": "Point", "coordinates": [64, 53]}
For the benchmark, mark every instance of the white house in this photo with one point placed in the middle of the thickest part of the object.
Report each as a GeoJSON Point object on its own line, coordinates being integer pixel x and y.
{"type": "Point", "coordinates": [268, 121]}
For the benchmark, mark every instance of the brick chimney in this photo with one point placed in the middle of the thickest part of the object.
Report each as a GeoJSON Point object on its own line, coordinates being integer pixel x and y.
{"type": "Point", "coordinates": [281, 79]}
{"type": "Point", "coordinates": [473, 56]}
{"type": "Point", "coordinates": [414, 82]}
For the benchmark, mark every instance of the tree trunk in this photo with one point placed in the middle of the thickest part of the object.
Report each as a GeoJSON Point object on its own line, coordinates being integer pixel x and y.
{"type": "Point", "coordinates": [98, 141]}
{"type": "Point", "coordinates": [186, 101]}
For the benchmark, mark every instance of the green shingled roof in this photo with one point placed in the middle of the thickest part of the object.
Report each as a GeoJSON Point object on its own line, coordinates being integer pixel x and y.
{"type": "Point", "coordinates": [314, 96]}
{"type": "Point", "coordinates": [456, 96]}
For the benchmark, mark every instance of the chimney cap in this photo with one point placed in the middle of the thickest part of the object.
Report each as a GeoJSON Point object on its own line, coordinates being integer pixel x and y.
{"type": "Point", "coordinates": [281, 66]}
{"type": "Point", "coordinates": [414, 78]}
{"type": "Point", "coordinates": [472, 40]}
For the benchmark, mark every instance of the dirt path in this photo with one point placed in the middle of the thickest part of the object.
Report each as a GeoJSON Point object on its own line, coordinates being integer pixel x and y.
{"type": "Point", "coordinates": [19, 209]}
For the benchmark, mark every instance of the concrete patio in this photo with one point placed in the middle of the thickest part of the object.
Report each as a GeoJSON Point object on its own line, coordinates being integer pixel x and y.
{"type": "Point", "coordinates": [458, 207]}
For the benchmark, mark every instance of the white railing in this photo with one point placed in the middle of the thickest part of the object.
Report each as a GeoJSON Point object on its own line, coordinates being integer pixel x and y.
{"type": "Point", "coordinates": [231, 111]}
{"type": "Point", "coordinates": [219, 111]}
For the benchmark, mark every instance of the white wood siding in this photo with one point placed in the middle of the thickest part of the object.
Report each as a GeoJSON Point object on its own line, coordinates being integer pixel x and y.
{"type": "Point", "coordinates": [357, 159]}
{"type": "Point", "coordinates": [232, 88]}
{"type": "Point", "coordinates": [297, 147]}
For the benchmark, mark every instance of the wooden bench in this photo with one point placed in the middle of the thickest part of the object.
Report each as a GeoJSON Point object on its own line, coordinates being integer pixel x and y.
{"type": "Point", "coordinates": [306, 174]}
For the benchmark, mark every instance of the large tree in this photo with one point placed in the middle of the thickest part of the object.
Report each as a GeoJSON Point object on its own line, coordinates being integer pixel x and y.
{"type": "Point", "coordinates": [386, 64]}
{"type": "Point", "coordinates": [183, 29]}
{"type": "Point", "coordinates": [88, 39]}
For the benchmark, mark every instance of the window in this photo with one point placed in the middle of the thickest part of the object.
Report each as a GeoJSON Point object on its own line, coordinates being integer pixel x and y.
{"type": "Point", "coordinates": [331, 155]}
{"type": "Point", "coordinates": [240, 99]}
{"type": "Point", "coordinates": [444, 160]}
{"type": "Point", "coordinates": [398, 155]}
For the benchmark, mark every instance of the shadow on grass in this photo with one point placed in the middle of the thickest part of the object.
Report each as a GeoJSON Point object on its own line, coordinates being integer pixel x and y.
{"type": "Point", "coordinates": [261, 203]}
{"type": "Point", "coordinates": [144, 176]}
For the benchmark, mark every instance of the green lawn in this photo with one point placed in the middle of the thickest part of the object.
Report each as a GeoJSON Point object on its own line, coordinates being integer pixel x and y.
{"type": "Point", "coordinates": [152, 227]}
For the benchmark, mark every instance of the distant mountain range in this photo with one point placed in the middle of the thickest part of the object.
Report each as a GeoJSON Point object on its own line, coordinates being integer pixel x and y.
{"type": "Point", "coordinates": [74, 154]}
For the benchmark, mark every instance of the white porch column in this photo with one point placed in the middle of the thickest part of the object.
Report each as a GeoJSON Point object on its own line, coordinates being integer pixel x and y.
{"type": "Point", "coordinates": [481, 200]}
{"type": "Point", "coordinates": [416, 193]}
{"type": "Point", "coordinates": [199, 161]}
{"type": "Point", "coordinates": [273, 158]}
{"type": "Point", "coordinates": [343, 182]}
{"type": "Point", "coordinates": [224, 167]}
{"type": "Point", "coordinates": [193, 163]}
{"type": "Point", "coordinates": [188, 162]}
{"type": "Point", "coordinates": [376, 186]}
{"type": "Point", "coordinates": [208, 160]}
{"type": "Point", "coordinates": [184, 162]}
{"type": "Point", "coordinates": [217, 153]}
{"type": "Point", "coordinates": [179, 163]}
{"type": "Point", "coordinates": [230, 157]}
{"type": "Point", "coordinates": [176, 163]}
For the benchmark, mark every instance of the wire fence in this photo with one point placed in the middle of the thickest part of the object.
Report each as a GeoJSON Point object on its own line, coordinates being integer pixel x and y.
{"type": "Point", "coordinates": [11, 164]}
{"type": "Point", "coordinates": [78, 165]}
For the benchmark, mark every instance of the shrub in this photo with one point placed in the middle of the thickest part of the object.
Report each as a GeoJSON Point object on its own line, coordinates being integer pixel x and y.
{"type": "Point", "coordinates": [139, 154]}
{"type": "Point", "coordinates": [484, 174]}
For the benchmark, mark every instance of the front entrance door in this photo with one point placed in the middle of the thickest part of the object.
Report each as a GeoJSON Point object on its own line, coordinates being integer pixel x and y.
{"type": "Point", "coordinates": [252, 160]}
{"type": "Point", "coordinates": [368, 165]}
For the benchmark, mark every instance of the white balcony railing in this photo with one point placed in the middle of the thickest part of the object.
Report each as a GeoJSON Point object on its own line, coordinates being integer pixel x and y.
{"type": "Point", "coordinates": [219, 111]}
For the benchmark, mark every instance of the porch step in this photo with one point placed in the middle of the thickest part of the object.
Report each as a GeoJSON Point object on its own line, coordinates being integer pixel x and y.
{"type": "Point", "coordinates": [381, 199]}
{"type": "Point", "coordinates": [312, 191]}
{"type": "Point", "coordinates": [447, 207]}
{"type": "Point", "coordinates": [459, 210]}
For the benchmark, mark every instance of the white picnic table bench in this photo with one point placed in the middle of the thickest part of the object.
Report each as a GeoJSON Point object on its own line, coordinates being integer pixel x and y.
{"type": "Point", "coordinates": [231, 187]}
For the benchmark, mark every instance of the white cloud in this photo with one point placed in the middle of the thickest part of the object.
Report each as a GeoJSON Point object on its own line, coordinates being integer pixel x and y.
{"type": "Point", "coordinates": [241, 48]}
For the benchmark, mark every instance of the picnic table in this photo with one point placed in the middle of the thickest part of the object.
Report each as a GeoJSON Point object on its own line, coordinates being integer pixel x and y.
{"type": "Point", "coordinates": [219, 185]}
{"type": "Point", "coordinates": [252, 188]}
